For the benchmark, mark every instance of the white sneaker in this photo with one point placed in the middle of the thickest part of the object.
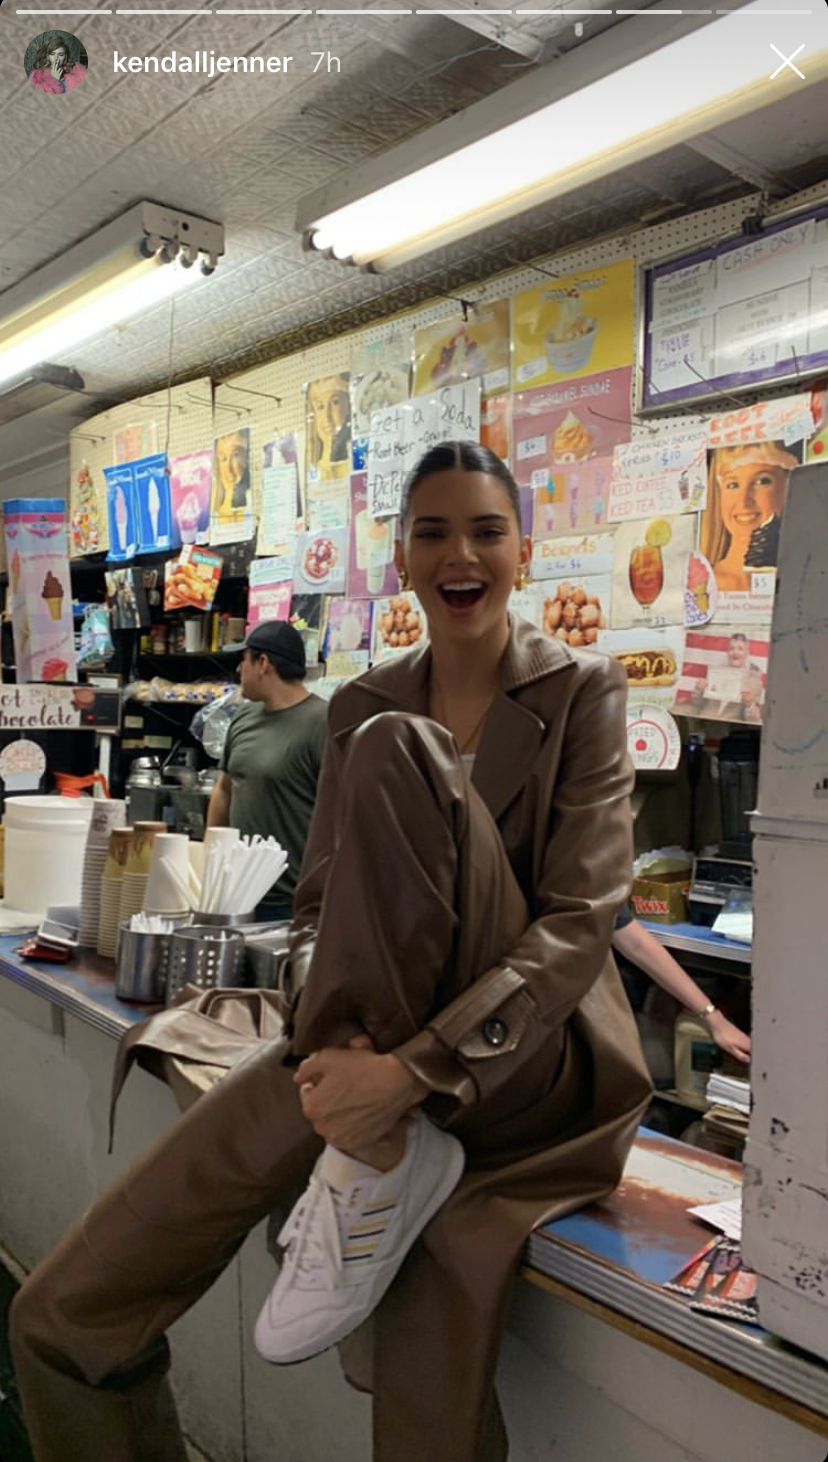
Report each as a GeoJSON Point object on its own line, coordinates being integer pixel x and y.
{"type": "Point", "coordinates": [347, 1237]}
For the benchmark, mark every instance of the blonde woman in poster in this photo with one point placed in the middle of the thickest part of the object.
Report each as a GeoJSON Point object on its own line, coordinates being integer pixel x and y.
{"type": "Point", "coordinates": [462, 1062]}
{"type": "Point", "coordinates": [747, 487]}
{"type": "Point", "coordinates": [329, 426]}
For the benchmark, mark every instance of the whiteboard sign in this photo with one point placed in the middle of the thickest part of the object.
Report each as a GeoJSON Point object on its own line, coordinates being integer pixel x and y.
{"type": "Point", "coordinates": [400, 435]}
{"type": "Point", "coordinates": [750, 312]}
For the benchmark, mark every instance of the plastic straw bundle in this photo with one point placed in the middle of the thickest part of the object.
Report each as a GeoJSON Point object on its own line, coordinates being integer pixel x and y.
{"type": "Point", "coordinates": [236, 878]}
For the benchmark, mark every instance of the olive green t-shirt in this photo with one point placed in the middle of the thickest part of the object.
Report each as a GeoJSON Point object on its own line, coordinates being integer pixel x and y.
{"type": "Point", "coordinates": [273, 759]}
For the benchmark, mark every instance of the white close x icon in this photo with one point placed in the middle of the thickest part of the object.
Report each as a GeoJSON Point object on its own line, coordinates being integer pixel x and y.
{"type": "Point", "coordinates": [788, 61]}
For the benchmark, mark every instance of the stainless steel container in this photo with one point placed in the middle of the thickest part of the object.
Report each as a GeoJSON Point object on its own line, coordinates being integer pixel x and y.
{"type": "Point", "coordinates": [141, 965]}
{"type": "Point", "coordinates": [204, 955]}
{"type": "Point", "coordinates": [224, 921]}
{"type": "Point", "coordinates": [266, 954]}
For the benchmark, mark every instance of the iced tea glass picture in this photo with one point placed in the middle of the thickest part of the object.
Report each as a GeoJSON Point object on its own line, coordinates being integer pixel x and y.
{"type": "Point", "coordinates": [646, 569]}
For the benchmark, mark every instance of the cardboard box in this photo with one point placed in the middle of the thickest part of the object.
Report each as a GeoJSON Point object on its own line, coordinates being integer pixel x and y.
{"type": "Point", "coordinates": [661, 897]}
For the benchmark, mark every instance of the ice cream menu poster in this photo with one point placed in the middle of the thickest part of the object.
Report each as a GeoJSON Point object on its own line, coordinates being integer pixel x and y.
{"type": "Point", "coordinates": [575, 325]}
{"type": "Point", "coordinates": [40, 597]}
{"type": "Point", "coordinates": [460, 349]}
{"type": "Point", "coordinates": [557, 429]}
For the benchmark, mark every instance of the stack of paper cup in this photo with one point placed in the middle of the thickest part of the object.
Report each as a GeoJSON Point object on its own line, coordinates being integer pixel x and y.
{"type": "Point", "coordinates": [223, 837]}
{"type": "Point", "coordinates": [168, 885]}
{"type": "Point", "coordinates": [109, 911]}
{"type": "Point", "coordinates": [136, 872]}
{"type": "Point", "coordinates": [107, 813]}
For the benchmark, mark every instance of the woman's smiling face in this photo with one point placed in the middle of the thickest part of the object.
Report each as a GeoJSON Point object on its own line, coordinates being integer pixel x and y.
{"type": "Point", "coordinates": [462, 548]}
{"type": "Point", "coordinates": [749, 494]}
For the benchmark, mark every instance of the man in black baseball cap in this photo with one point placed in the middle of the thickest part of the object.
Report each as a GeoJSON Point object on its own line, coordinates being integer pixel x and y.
{"type": "Point", "coordinates": [271, 759]}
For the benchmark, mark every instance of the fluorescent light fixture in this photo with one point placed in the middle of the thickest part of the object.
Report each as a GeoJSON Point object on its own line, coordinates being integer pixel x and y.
{"type": "Point", "coordinates": [630, 93]}
{"type": "Point", "coordinates": [124, 269]}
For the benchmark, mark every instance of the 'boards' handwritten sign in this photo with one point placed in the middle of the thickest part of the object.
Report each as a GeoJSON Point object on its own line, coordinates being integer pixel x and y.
{"type": "Point", "coordinates": [401, 434]}
{"type": "Point", "coordinates": [59, 708]}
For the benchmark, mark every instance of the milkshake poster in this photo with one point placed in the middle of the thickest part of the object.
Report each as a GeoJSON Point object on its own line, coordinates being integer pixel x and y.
{"type": "Point", "coordinates": [191, 476]}
{"type": "Point", "coordinates": [40, 597]}
{"type": "Point", "coordinates": [371, 570]}
{"type": "Point", "coordinates": [123, 520]}
{"type": "Point", "coordinates": [576, 325]}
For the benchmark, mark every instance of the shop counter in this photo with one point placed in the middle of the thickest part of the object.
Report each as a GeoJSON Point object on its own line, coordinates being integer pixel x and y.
{"type": "Point", "coordinates": [699, 940]}
{"type": "Point", "coordinates": [598, 1358]}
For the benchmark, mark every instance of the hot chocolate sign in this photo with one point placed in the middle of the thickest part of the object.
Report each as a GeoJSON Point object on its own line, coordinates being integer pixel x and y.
{"type": "Point", "coordinates": [59, 708]}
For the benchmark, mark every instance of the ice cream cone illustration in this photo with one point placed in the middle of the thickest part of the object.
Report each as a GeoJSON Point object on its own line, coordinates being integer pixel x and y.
{"type": "Point", "coordinates": [52, 592]}
{"type": "Point", "coordinates": [154, 501]}
{"type": "Point", "coordinates": [698, 578]}
{"type": "Point", "coordinates": [121, 518]}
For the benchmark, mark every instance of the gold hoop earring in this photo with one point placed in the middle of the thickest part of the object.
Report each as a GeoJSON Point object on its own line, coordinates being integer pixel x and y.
{"type": "Point", "coordinates": [405, 582]}
{"type": "Point", "coordinates": [520, 578]}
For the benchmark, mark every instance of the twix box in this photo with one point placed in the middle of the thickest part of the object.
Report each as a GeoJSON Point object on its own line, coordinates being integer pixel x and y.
{"type": "Point", "coordinates": [661, 897]}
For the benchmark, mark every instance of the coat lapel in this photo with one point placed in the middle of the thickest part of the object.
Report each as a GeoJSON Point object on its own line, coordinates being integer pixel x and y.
{"type": "Point", "coordinates": [513, 733]}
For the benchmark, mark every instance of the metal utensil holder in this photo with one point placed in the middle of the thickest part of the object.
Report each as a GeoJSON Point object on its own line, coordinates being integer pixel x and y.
{"type": "Point", "coordinates": [224, 921]}
{"type": "Point", "coordinates": [204, 955]}
{"type": "Point", "coordinates": [266, 955]}
{"type": "Point", "coordinates": [141, 965]}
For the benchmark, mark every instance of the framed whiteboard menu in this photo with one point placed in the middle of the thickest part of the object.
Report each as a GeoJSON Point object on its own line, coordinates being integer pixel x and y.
{"type": "Point", "coordinates": [748, 313]}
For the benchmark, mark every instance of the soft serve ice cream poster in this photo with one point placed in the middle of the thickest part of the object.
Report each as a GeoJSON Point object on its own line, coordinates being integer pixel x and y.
{"type": "Point", "coordinates": [152, 502]}
{"type": "Point", "coordinates": [40, 597]}
{"type": "Point", "coordinates": [123, 519]}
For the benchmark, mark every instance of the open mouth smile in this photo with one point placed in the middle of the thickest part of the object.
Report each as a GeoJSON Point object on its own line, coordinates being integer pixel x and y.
{"type": "Point", "coordinates": [462, 593]}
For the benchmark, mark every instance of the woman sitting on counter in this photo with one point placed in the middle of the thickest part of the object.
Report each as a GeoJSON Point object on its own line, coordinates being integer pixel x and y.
{"type": "Point", "coordinates": [461, 1062]}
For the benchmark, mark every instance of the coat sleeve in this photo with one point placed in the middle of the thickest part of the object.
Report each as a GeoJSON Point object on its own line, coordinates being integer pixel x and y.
{"type": "Point", "coordinates": [313, 874]}
{"type": "Point", "coordinates": [473, 1046]}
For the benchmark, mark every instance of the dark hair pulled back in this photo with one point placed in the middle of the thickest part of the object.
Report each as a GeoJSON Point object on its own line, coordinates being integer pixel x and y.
{"type": "Point", "coordinates": [468, 457]}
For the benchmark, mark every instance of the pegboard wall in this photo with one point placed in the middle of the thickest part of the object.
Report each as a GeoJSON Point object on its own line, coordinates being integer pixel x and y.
{"type": "Point", "coordinates": [270, 398]}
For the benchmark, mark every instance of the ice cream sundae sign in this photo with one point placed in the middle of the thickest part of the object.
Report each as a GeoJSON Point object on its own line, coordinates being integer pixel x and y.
{"type": "Point", "coordinates": [666, 474]}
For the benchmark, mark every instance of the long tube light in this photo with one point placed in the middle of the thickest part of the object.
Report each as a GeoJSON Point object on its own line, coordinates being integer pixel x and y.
{"type": "Point", "coordinates": [518, 148]}
{"type": "Point", "coordinates": [125, 269]}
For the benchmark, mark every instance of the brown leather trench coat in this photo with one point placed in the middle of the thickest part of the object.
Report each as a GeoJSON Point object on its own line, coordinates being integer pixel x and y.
{"type": "Point", "coordinates": [549, 1111]}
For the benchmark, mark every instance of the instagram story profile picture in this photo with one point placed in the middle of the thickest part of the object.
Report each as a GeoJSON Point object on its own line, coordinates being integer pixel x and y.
{"type": "Point", "coordinates": [55, 62]}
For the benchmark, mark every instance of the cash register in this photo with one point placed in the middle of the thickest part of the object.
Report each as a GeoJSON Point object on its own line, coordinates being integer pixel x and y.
{"type": "Point", "coordinates": [728, 868]}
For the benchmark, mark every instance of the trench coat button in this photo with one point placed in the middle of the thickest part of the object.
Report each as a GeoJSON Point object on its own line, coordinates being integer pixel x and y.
{"type": "Point", "coordinates": [494, 1031]}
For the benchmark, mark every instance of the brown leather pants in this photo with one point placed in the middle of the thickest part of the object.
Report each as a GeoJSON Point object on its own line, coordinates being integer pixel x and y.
{"type": "Point", "coordinates": [420, 900]}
